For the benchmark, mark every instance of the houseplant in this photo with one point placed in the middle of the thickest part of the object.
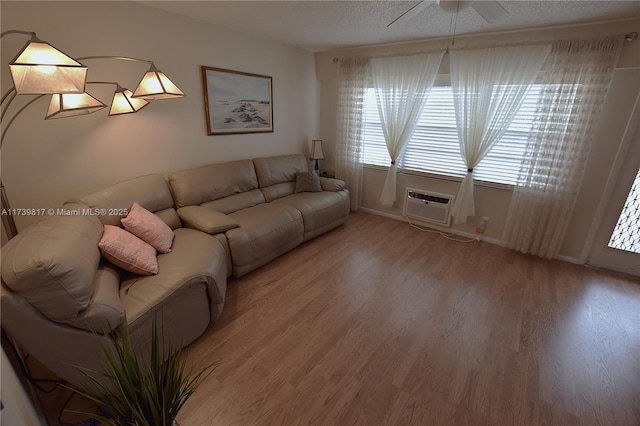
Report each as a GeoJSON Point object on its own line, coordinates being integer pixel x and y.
{"type": "Point", "coordinates": [133, 390]}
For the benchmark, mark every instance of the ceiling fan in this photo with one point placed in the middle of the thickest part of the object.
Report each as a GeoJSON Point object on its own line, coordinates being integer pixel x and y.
{"type": "Point", "coordinates": [491, 11]}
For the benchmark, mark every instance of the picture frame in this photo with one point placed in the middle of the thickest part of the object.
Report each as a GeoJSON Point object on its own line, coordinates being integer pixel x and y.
{"type": "Point", "coordinates": [237, 102]}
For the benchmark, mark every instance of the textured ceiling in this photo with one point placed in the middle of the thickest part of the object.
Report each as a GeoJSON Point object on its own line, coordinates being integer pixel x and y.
{"type": "Point", "coordinates": [328, 25]}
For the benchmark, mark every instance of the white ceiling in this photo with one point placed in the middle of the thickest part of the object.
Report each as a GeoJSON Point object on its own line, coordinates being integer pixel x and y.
{"type": "Point", "coordinates": [329, 25]}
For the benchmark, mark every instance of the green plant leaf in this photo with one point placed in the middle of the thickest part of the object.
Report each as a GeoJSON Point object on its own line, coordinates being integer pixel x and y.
{"type": "Point", "coordinates": [139, 391]}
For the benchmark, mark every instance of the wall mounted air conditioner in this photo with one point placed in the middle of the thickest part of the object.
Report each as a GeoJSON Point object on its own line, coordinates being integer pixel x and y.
{"type": "Point", "coordinates": [428, 206]}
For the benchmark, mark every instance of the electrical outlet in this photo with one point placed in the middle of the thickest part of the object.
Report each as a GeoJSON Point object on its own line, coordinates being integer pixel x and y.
{"type": "Point", "coordinates": [480, 229]}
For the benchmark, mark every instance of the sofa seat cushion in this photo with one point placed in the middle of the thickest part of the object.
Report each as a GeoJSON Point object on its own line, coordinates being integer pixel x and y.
{"type": "Point", "coordinates": [196, 259]}
{"type": "Point", "coordinates": [265, 232]}
{"type": "Point", "coordinates": [320, 211]}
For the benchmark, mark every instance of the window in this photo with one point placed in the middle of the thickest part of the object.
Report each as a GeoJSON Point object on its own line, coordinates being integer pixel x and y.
{"type": "Point", "coordinates": [434, 147]}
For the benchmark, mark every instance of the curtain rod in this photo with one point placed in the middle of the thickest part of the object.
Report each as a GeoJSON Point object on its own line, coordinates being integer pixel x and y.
{"type": "Point", "coordinates": [632, 36]}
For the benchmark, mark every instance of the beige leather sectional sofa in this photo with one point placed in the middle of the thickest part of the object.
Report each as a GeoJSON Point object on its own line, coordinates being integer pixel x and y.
{"type": "Point", "coordinates": [60, 298]}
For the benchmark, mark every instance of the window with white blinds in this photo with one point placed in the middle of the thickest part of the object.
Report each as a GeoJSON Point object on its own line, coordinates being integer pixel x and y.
{"type": "Point", "coordinates": [434, 147]}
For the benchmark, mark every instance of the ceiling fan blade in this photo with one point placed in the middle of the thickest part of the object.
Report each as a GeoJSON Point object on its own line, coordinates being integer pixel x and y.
{"type": "Point", "coordinates": [491, 11]}
{"type": "Point", "coordinates": [417, 8]}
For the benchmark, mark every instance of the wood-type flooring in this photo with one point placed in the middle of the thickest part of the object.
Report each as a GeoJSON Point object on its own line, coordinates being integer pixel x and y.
{"type": "Point", "coordinates": [377, 323]}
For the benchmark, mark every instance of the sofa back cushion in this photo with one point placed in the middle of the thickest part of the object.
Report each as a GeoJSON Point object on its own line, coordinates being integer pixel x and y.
{"type": "Point", "coordinates": [277, 175]}
{"type": "Point", "coordinates": [215, 182]}
{"type": "Point", "coordinates": [115, 201]}
{"type": "Point", "coordinates": [281, 169]}
{"type": "Point", "coordinates": [53, 263]}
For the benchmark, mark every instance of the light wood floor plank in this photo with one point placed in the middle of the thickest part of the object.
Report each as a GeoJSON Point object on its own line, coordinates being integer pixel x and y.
{"type": "Point", "coordinates": [377, 323]}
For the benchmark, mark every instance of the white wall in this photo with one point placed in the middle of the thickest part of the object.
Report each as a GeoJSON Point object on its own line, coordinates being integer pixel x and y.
{"type": "Point", "coordinates": [17, 408]}
{"type": "Point", "coordinates": [491, 201]}
{"type": "Point", "coordinates": [45, 163]}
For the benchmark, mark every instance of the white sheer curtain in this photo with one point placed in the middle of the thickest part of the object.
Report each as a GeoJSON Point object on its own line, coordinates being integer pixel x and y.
{"type": "Point", "coordinates": [402, 85]}
{"type": "Point", "coordinates": [489, 86]}
{"type": "Point", "coordinates": [353, 79]}
{"type": "Point", "coordinates": [577, 78]}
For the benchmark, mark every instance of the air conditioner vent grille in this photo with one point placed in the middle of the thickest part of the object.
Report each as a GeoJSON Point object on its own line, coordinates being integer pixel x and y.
{"type": "Point", "coordinates": [428, 206]}
{"type": "Point", "coordinates": [428, 197]}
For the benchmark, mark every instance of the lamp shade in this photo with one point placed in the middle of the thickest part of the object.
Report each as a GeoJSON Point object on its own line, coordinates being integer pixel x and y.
{"type": "Point", "coordinates": [72, 104]}
{"type": "Point", "coordinates": [124, 103]}
{"type": "Point", "coordinates": [40, 68]}
{"type": "Point", "coordinates": [156, 85]}
{"type": "Point", "coordinates": [316, 150]}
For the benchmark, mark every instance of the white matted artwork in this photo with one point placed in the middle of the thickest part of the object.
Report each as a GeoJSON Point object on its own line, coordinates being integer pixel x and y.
{"type": "Point", "coordinates": [237, 102]}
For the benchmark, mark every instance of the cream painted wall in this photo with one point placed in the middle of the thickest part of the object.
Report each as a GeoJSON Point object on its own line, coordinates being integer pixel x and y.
{"type": "Point", "coordinates": [45, 163]}
{"type": "Point", "coordinates": [491, 201]}
{"type": "Point", "coordinates": [17, 407]}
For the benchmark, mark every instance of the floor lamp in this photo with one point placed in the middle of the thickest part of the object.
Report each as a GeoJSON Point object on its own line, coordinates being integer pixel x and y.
{"type": "Point", "coordinates": [41, 69]}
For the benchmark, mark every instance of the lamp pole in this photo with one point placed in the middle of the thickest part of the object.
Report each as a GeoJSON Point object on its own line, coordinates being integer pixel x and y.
{"type": "Point", "coordinates": [7, 218]}
{"type": "Point", "coordinates": [64, 75]}
{"type": "Point", "coordinates": [69, 80]}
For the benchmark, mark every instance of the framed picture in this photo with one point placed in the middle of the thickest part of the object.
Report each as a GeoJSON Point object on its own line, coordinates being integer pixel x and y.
{"type": "Point", "coordinates": [237, 102]}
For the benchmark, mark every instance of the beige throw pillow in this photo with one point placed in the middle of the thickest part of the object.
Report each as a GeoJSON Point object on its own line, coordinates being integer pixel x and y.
{"type": "Point", "coordinates": [307, 182]}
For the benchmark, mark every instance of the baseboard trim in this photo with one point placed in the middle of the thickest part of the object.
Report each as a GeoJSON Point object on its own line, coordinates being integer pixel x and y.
{"type": "Point", "coordinates": [469, 235]}
{"type": "Point", "coordinates": [569, 259]}
{"type": "Point", "coordinates": [434, 226]}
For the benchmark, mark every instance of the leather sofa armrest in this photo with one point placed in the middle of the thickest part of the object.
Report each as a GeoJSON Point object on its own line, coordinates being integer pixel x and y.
{"type": "Point", "coordinates": [206, 220]}
{"type": "Point", "coordinates": [105, 312]}
{"type": "Point", "coordinates": [330, 184]}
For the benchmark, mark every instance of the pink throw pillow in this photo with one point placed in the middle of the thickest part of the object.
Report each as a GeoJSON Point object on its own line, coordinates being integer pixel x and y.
{"type": "Point", "coordinates": [127, 251]}
{"type": "Point", "coordinates": [149, 228]}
